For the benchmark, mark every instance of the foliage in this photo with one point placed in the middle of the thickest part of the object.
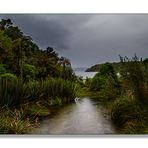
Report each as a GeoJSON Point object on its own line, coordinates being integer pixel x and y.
{"type": "Point", "coordinates": [13, 122]}
{"type": "Point", "coordinates": [2, 69]}
{"type": "Point", "coordinates": [97, 82]}
{"type": "Point", "coordinates": [129, 115]}
{"type": "Point", "coordinates": [10, 90]}
{"type": "Point", "coordinates": [5, 41]}
{"type": "Point", "coordinates": [106, 82]}
{"type": "Point", "coordinates": [134, 78]}
{"type": "Point", "coordinates": [32, 90]}
{"type": "Point", "coordinates": [129, 103]}
{"type": "Point", "coordinates": [97, 67]}
{"type": "Point", "coordinates": [29, 75]}
{"type": "Point", "coordinates": [13, 91]}
{"type": "Point", "coordinates": [29, 72]}
{"type": "Point", "coordinates": [8, 77]}
{"type": "Point", "coordinates": [24, 58]}
{"type": "Point", "coordinates": [110, 90]}
{"type": "Point", "coordinates": [107, 69]}
{"type": "Point", "coordinates": [36, 110]}
{"type": "Point", "coordinates": [55, 89]}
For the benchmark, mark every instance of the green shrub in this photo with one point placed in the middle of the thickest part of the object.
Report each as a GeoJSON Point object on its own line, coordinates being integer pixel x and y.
{"type": "Point", "coordinates": [58, 88]}
{"type": "Point", "coordinates": [107, 69]}
{"type": "Point", "coordinates": [13, 91]}
{"type": "Point", "coordinates": [29, 72]}
{"type": "Point", "coordinates": [110, 90]}
{"type": "Point", "coordinates": [57, 101]}
{"type": "Point", "coordinates": [97, 82]}
{"type": "Point", "coordinates": [10, 90]}
{"type": "Point", "coordinates": [12, 122]}
{"type": "Point", "coordinates": [134, 77]}
{"type": "Point", "coordinates": [87, 82]}
{"type": "Point", "coordinates": [37, 110]}
{"type": "Point", "coordinates": [8, 77]}
{"type": "Point", "coordinates": [2, 69]}
{"type": "Point", "coordinates": [51, 90]}
{"type": "Point", "coordinates": [32, 90]}
{"type": "Point", "coordinates": [129, 115]}
{"type": "Point", "coordinates": [105, 79]}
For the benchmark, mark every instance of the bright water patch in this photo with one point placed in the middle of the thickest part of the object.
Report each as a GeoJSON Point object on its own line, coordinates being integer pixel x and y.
{"type": "Point", "coordinates": [85, 74]}
{"type": "Point", "coordinates": [83, 117]}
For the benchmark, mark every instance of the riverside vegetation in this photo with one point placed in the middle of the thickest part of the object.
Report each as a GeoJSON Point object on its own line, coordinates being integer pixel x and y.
{"type": "Point", "coordinates": [124, 95]}
{"type": "Point", "coordinates": [34, 81]}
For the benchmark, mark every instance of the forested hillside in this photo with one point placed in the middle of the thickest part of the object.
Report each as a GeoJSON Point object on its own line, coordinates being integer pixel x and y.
{"type": "Point", "coordinates": [31, 80]}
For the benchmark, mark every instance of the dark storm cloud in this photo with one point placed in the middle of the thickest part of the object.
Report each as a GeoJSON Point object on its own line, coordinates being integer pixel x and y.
{"type": "Point", "coordinates": [104, 37]}
{"type": "Point", "coordinates": [46, 32]}
{"type": "Point", "coordinates": [89, 39]}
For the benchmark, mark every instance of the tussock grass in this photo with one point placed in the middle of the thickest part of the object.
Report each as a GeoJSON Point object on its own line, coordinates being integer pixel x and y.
{"type": "Point", "coordinates": [32, 90]}
{"type": "Point", "coordinates": [15, 94]}
{"type": "Point", "coordinates": [58, 90]}
{"type": "Point", "coordinates": [129, 115]}
{"type": "Point", "coordinates": [54, 90]}
{"type": "Point", "coordinates": [10, 91]}
{"type": "Point", "coordinates": [13, 122]}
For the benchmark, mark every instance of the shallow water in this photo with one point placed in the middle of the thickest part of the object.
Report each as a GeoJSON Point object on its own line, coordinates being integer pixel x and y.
{"type": "Point", "coordinates": [83, 117]}
{"type": "Point", "coordinates": [84, 74]}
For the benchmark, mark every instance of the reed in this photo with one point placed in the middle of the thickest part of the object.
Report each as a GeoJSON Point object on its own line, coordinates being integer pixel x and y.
{"type": "Point", "coordinates": [10, 91]}
{"type": "Point", "coordinates": [129, 115]}
{"type": "Point", "coordinates": [15, 92]}
{"type": "Point", "coordinates": [32, 90]}
{"type": "Point", "coordinates": [58, 90]}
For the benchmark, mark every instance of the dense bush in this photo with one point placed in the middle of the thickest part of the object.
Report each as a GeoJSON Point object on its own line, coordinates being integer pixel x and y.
{"type": "Point", "coordinates": [13, 122]}
{"type": "Point", "coordinates": [13, 91]}
{"type": "Point", "coordinates": [97, 82]}
{"type": "Point", "coordinates": [133, 75]}
{"type": "Point", "coordinates": [129, 115]}
{"type": "Point", "coordinates": [58, 89]}
{"type": "Point", "coordinates": [2, 69]}
{"type": "Point", "coordinates": [8, 77]}
{"type": "Point", "coordinates": [29, 75]}
{"type": "Point", "coordinates": [10, 90]}
{"type": "Point", "coordinates": [106, 82]}
{"type": "Point", "coordinates": [107, 69]}
{"type": "Point", "coordinates": [29, 72]}
{"type": "Point", "coordinates": [110, 90]}
{"type": "Point", "coordinates": [32, 90]}
{"type": "Point", "coordinates": [129, 112]}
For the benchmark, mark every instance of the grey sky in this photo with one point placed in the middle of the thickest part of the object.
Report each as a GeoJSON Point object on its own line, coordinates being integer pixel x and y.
{"type": "Point", "coordinates": [87, 39]}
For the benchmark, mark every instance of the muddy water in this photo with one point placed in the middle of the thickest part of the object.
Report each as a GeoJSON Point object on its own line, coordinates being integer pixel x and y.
{"type": "Point", "coordinates": [83, 117]}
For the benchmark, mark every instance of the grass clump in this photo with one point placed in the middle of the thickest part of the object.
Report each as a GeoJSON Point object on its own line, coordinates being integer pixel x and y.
{"type": "Point", "coordinates": [58, 91]}
{"type": "Point", "coordinates": [39, 97]}
{"type": "Point", "coordinates": [37, 110]}
{"type": "Point", "coordinates": [129, 115]}
{"type": "Point", "coordinates": [10, 90]}
{"type": "Point", "coordinates": [14, 122]}
{"type": "Point", "coordinates": [32, 90]}
{"type": "Point", "coordinates": [125, 96]}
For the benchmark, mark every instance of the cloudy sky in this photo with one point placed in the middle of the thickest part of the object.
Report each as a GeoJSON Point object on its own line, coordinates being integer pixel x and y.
{"type": "Point", "coordinates": [87, 39]}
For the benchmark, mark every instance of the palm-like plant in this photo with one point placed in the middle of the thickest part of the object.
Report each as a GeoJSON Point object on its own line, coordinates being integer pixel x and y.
{"type": "Point", "coordinates": [17, 46]}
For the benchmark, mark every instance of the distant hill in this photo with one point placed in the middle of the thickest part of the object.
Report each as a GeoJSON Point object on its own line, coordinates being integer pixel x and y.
{"type": "Point", "coordinates": [96, 67]}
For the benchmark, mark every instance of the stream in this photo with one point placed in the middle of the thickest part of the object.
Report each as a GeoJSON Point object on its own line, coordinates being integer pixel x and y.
{"type": "Point", "coordinates": [85, 116]}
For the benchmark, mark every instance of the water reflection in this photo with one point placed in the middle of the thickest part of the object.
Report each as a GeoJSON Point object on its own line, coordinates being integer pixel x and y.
{"type": "Point", "coordinates": [82, 117]}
